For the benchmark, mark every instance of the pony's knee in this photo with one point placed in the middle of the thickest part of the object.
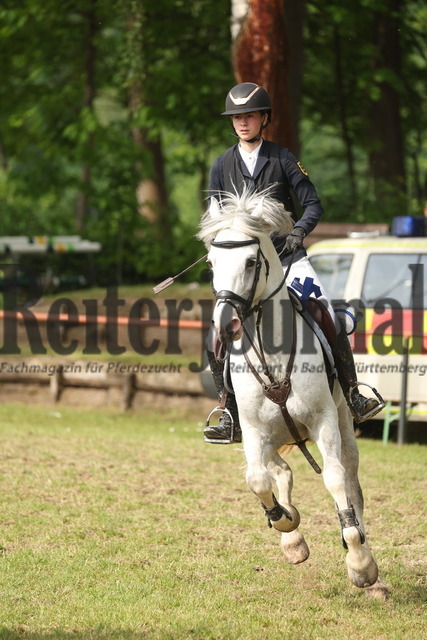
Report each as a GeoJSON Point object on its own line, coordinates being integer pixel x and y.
{"type": "Point", "coordinates": [259, 481]}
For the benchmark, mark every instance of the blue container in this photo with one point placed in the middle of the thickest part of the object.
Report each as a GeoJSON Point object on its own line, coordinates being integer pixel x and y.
{"type": "Point", "coordinates": [408, 226]}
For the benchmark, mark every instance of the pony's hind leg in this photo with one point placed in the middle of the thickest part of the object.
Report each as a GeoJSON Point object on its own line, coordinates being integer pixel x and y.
{"type": "Point", "coordinates": [361, 566]}
{"type": "Point", "coordinates": [350, 461]}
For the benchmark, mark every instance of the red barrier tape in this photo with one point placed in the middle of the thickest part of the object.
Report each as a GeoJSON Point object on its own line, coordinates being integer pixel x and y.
{"type": "Point", "coordinates": [163, 323]}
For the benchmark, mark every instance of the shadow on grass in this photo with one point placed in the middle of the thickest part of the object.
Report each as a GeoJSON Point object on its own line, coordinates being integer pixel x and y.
{"type": "Point", "coordinates": [410, 593]}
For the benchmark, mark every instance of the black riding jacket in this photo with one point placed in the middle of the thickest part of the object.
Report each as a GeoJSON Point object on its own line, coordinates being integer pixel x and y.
{"type": "Point", "coordinates": [275, 165]}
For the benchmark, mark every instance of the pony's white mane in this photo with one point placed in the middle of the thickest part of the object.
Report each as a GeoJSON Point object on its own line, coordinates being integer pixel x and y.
{"type": "Point", "coordinates": [252, 213]}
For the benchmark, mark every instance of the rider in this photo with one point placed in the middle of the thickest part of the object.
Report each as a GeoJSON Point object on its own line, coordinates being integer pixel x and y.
{"type": "Point", "coordinates": [258, 164]}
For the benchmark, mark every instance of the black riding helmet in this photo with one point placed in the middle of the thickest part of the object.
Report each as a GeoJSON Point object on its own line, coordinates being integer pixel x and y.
{"type": "Point", "coordinates": [247, 97]}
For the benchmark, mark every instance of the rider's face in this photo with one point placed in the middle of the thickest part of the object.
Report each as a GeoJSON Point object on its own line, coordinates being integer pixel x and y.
{"type": "Point", "coordinates": [248, 125]}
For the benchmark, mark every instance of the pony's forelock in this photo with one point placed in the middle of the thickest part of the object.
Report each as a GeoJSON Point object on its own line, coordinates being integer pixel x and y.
{"type": "Point", "coordinates": [252, 213]}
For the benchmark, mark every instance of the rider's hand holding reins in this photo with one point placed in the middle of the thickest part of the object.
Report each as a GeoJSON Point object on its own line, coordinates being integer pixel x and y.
{"type": "Point", "coordinates": [294, 240]}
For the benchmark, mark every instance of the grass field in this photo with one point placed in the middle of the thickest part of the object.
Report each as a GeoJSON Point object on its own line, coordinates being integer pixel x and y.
{"type": "Point", "coordinates": [130, 527]}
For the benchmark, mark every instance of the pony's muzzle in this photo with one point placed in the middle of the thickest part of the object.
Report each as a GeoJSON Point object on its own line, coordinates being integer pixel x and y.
{"type": "Point", "coordinates": [235, 328]}
{"type": "Point", "coordinates": [231, 332]}
{"type": "Point", "coordinates": [227, 323]}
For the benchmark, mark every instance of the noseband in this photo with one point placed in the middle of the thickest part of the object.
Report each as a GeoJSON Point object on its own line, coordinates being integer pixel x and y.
{"type": "Point", "coordinates": [242, 306]}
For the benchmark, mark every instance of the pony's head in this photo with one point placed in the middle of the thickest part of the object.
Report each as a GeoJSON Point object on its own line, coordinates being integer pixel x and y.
{"type": "Point", "coordinates": [237, 232]}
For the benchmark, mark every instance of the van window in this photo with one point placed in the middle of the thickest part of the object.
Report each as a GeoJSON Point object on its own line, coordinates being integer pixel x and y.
{"type": "Point", "coordinates": [332, 270]}
{"type": "Point", "coordinates": [401, 277]}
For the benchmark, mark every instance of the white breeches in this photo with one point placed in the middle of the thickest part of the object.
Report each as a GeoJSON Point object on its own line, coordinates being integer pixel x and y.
{"type": "Point", "coordinates": [303, 279]}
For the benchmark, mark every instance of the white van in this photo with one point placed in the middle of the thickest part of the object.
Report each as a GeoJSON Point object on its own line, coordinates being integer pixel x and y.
{"type": "Point", "coordinates": [386, 278]}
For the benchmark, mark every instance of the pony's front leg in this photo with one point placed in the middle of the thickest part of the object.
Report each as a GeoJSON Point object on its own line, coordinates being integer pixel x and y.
{"type": "Point", "coordinates": [260, 460]}
{"type": "Point", "coordinates": [361, 566]}
{"type": "Point", "coordinates": [294, 547]}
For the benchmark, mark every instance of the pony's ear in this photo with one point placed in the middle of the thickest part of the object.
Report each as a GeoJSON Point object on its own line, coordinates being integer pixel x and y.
{"type": "Point", "coordinates": [257, 212]}
{"type": "Point", "coordinates": [214, 208]}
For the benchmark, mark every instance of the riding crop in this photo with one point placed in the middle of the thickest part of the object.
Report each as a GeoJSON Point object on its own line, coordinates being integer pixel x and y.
{"type": "Point", "coordinates": [166, 283]}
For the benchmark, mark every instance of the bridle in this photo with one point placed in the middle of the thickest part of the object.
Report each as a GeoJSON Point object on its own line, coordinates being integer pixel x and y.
{"type": "Point", "coordinates": [276, 390]}
{"type": "Point", "coordinates": [244, 307]}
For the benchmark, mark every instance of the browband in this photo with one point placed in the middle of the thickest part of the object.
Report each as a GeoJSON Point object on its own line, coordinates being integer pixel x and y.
{"type": "Point", "coordinates": [233, 244]}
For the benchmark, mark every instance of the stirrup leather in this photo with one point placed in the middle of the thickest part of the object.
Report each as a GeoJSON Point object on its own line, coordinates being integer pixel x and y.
{"type": "Point", "coordinates": [375, 410]}
{"type": "Point", "coordinates": [229, 440]}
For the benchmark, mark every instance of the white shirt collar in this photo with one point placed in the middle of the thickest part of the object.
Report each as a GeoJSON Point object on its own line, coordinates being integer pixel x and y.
{"type": "Point", "coordinates": [250, 158]}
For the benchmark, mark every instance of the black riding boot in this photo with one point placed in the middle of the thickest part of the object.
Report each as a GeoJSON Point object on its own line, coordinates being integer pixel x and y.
{"type": "Point", "coordinates": [361, 408]}
{"type": "Point", "coordinates": [227, 430]}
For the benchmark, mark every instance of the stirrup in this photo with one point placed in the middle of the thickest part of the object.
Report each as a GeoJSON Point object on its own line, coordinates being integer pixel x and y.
{"type": "Point", "coordinates": [229, 440]}
{"type": "Point", "coordinates": [375, 410]}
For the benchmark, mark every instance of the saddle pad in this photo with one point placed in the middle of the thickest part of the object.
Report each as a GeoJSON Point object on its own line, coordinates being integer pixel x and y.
{"type": "Point", "coordinates": [318, 318]}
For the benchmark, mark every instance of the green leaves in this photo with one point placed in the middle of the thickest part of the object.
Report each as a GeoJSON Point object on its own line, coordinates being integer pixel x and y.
{"type": "Point", "coordinates": [52, 134]}
{"type": "Point", "coordinates": [365, 61]}
{"type": "Point", "coordinates": [57, 142]}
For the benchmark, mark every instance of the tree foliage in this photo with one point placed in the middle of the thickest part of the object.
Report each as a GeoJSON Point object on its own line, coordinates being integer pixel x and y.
{"type": "Point", "coordinates": [70, 151]}
{"type": "Point", "coordinates": [364, 64]}
{"type": "Point", "coordinates": [49, 130]}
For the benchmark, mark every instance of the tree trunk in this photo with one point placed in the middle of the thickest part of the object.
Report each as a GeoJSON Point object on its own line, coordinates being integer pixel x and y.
{"type": "Point", "coordinates": [294, 22]}
{"type": "Point", "coordinates": [151, 192]}
{"type": "Point", "coordinates": [268, 50]}
{"type": "Point", "coordinates": [82, 205]}
{"type": "Point", "coordinates": [386, 156]}
{"type": "Point", "coordinates": [342, 109]}
{"type": "Point", "coordinates": [3, 158]}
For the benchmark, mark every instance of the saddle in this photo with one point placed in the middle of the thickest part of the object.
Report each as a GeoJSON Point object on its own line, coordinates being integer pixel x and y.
{"type": "Point", "coordinates": [320, 322]}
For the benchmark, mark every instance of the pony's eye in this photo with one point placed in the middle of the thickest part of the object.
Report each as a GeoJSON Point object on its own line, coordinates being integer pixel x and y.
{"type": "Point", "coordinates": [250, 263]}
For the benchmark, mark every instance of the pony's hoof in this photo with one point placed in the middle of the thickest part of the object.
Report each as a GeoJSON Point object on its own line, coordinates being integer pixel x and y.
{"type": "Point", "coordinates": [362, 574]}
{"type": "Point", "coordinates": [294, 547]}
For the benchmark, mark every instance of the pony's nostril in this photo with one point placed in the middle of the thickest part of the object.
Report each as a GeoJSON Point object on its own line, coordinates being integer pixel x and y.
{"type": "Point", "coordinates": [235, 325]}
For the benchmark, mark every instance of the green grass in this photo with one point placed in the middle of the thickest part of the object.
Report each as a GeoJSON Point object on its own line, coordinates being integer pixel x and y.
{"type": "Point", "coordinates": [130, 527]}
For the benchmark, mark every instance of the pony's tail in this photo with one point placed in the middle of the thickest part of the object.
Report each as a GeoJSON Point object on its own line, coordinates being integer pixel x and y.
{"type": "Point", "coordinates": [285, 450]}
